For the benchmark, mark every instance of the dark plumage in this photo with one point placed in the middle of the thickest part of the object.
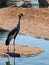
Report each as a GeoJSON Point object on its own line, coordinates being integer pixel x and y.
{"type": "Point", "coordinates": [13, 33]}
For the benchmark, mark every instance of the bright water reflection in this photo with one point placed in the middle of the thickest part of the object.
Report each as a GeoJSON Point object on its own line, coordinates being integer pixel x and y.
{"type": "Point", "coordinates": [26, 4]}
{"type": "Point", "coordinates": [31, 4]}
{"type": "Point", "coordinates": [42, 59]}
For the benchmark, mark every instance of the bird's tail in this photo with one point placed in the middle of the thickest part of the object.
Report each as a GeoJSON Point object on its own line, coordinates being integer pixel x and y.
{"type": "Point", "coordinates": [7, 42]}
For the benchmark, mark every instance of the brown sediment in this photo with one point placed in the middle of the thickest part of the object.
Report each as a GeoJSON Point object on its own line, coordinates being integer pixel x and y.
{"type": "Point", "coordinates": [35, 21]}
{"type": "Point", "coordinates": [20, 50]}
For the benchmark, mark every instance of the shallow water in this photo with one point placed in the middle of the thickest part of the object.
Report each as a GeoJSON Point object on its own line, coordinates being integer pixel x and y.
{"type": "Point", "coordinates": [32, 4]}
{"type": "Point", "coordinates": [41, 59]}
{"type": "Point", "coordinates": [27, 4]}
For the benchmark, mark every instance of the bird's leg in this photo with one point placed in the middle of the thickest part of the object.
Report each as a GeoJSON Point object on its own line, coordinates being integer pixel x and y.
{"type": "Point", "coordinates": [14, 44]}
{"type": "Point", "coordinates": [8, 48]}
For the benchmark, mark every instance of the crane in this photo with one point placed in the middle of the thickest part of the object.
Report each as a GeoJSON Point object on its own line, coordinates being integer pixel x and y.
{"type": "Point", "coordinates": [13, 33]}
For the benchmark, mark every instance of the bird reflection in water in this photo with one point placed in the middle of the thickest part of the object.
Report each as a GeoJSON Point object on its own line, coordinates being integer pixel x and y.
{"type": "Point", "coordinates": [9, 63]}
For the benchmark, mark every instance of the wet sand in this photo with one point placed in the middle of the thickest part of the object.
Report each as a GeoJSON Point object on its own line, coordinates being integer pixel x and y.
{"type": "Point", "coordinates": [20, 50]}
{"type": "Point", "coordinates": [35, 21]}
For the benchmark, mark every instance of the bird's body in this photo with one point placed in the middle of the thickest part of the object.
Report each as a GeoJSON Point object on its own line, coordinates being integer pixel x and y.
{"type": "Point", "coordinates": [13, 33]}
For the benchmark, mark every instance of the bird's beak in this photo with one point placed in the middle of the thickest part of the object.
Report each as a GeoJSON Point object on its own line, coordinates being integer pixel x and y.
{"type": "Point", "coordinates": [22, 16]}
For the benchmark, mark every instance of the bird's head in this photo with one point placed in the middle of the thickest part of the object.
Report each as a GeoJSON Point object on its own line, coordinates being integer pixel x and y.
{"type": "Point", "coordinates": [20, 15]}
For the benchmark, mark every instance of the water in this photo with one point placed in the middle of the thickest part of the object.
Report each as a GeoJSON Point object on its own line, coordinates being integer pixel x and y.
{"type": "Point", "coordinates": [41, 59]}
{"type": "Point", "coordinates": [32, 4]}
{"type": "Point", "coordinates": [26, 4]}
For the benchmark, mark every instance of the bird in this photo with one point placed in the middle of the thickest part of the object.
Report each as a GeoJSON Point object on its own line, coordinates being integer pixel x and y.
{"type": "Point", "coordinates": [13, 33]}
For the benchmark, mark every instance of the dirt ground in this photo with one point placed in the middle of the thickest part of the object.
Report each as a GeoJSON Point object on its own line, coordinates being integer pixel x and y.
{"type": "Point", "coordinates": [35, 21]}
{"type": "Point", "coordinates": [20, 50]}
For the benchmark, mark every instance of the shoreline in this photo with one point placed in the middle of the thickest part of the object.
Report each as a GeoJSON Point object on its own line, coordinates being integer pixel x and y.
{"type": "Point", "coordinates": [20, 51]}
{"type": "Point", "coordinates": [35, 21]}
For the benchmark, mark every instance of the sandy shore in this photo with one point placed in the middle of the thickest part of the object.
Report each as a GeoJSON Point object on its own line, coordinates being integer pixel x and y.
{"type": "Point", "coordinates": [35, 21]}
{"type": "Point", "coordinates": [20, 50]}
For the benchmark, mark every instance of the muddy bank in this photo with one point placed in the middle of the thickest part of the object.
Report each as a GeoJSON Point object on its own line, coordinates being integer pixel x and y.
{"type": "Point", "coordinates": [35, 21]}
{"type": "Point", "coordinates": [20, 50]}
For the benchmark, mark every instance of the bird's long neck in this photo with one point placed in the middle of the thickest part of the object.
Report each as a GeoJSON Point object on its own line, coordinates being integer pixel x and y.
{"type": "Point", "coordinates": [18, 25]}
